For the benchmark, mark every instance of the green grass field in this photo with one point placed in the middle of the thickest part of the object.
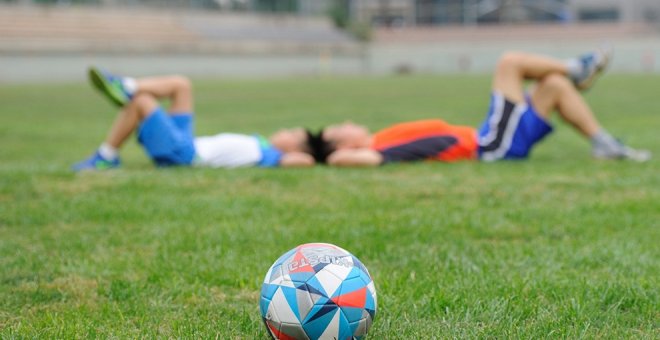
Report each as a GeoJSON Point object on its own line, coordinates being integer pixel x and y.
{"type": "Point", "coordinates": [560, 246]}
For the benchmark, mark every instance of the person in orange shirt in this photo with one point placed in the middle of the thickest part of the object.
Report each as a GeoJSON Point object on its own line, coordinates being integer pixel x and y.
{"type": "Point", "coordinates": [517, 119]}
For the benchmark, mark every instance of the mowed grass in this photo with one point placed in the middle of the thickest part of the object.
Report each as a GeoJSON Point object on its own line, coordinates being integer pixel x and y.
{"type": "Point", "coordinates": [559, 246]}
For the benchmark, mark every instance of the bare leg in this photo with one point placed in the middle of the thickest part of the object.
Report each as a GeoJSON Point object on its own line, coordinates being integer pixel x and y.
{"type": "Point", "coordinates": [129, 117]}
{"type": "Point", "coordinates": [514, 68]}
{"type": "Point", "coordinates": [553, 90]}
{"type": "Point", "coordinates": [178, 89]}
{"type": "Point", "coordinates": [556, 92]}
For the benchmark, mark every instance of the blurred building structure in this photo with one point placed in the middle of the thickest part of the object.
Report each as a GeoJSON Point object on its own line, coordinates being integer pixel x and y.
{"type": "Point", "coordinates": [56, 39]}
{"type": "Point", "coordinates": [472, 12]}
{"type": "Point", "coordinates": [412, 12]}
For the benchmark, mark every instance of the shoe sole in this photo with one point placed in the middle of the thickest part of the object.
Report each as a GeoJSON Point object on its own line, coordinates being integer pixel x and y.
{"type": "Point", "coordinates": [587, 83]}
{"type": "Point", "coordinates": [639, 157]}
{"type": "Point", "coordinates": [102, 85]}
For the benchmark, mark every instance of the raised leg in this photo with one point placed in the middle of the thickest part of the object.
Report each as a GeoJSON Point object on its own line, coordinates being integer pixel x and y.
{"type": "Point", "coordinates": [121, 90]}
{"type": "Point", "coordinates": [556, 88]}
{"type": "Point", "coordinates": [555, 92]}
{"type": "Point", "coordinates": [514, 68]}
{"type": "Point", "coordinates": [178, 89]}
{"type": "Point", "coordinates": [129, 118]}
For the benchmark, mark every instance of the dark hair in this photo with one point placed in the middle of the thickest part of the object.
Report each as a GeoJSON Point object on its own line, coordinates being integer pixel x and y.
{"type": "Point", "coordinates": [319, 148]}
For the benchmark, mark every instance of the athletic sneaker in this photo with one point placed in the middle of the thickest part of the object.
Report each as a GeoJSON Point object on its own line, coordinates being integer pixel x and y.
{"type": "Point", "coordinates": [592, 64]}
{"type": "Point", "coordinates": [110, 85]}
{"type": "Point", "coordinates": [96, 162]}
{"type": "Point", "coordinates": [624, 153]}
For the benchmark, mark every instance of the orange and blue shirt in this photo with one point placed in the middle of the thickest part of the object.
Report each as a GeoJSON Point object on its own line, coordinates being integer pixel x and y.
{"type": "Point", "coordinates": [432, 140]}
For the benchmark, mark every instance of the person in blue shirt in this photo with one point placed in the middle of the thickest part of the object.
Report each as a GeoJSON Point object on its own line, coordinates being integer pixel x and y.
{"type": "Point", "coordinates": [167, 136]}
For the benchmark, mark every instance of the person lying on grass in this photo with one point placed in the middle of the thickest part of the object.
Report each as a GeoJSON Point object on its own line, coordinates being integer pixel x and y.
{"type": "Point", "coordinates": [517, 119]}
{"type": "Point", "coordinates": [167, 136]}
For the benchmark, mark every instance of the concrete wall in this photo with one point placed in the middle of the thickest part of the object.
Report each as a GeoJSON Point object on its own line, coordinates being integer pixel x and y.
{"type": "Point", "coordinates": [641, 56]}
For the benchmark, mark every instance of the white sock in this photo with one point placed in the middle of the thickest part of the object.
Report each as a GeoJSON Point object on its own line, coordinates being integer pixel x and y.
{"type": "Point", "coordinates": [574, 66]}
{"type": "Point", "coordinates": [130, 85]}
{"type": "Point", "coordinates": [604, 142]}
{"type": "Point", "coordinates": [108, 151]}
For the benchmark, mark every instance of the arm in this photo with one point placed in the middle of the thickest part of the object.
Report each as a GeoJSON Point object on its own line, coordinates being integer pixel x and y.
{"type": "Point", "coordinates": [296, 159]}
{"type": "Point", "coordinates": [355, 157]}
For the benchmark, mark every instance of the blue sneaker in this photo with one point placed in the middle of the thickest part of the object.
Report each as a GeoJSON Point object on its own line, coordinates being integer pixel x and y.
{"type": "Point", "coordinates": [96, 162]}
{"type": "Point", "coordinates": [593, 64]}
{"type": "Point", "coordinates": [110, 85]}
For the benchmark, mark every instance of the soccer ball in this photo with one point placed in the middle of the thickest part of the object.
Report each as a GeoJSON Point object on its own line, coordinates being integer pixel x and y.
{"type": "Point", "coordinates": [318, 291]}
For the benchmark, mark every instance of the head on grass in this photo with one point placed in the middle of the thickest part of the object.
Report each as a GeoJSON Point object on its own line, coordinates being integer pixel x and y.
{"type": "Point", "coordinates": [319, 149]}
{"type": "Point", "coordinates": [346, 135]}
{"type": "Point", "coordinates": [290, 140]}
{"type": "Point", "coordinates": [319, 145]}
{"type": "Point", "coordinates": [300, 146]}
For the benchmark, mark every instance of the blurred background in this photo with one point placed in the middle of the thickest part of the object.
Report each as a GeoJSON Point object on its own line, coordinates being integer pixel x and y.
{"type": "Point", "coordinates": [55, 40]}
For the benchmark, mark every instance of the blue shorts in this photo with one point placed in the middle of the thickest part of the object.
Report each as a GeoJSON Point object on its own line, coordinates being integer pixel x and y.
{"type": "Point", "coordinates": [510, 130]}
{"type": "Point", "coordinates": [168, 139]}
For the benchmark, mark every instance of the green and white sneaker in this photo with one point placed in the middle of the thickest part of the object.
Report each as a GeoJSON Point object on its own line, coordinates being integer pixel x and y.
{"type": "Point", "coordinates": [96, 162]}
{"type": "Point", "coordinates": [112, 86]}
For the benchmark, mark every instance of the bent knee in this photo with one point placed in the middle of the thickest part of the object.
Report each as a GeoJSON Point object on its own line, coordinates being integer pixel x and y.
{"type": "Point", "coordinates": [555, 81]}
{"type": "Point", "coordinates": [182, 82]}
{"type": "Point", "coordinates": [144, 102]}
{"type": "Point", "coordinates": [510, 60]}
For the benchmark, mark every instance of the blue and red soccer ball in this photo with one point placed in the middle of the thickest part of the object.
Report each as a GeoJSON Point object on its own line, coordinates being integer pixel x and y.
{"type": "Point", "coordinates": [318, 291]}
